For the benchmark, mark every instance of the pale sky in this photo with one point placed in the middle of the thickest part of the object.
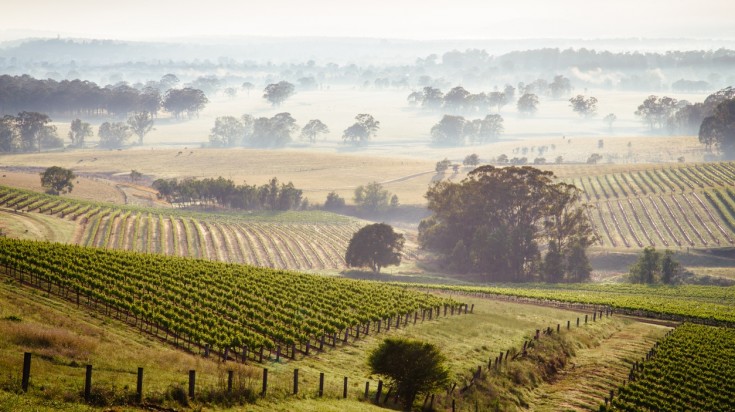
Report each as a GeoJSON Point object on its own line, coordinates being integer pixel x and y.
{"type": "Point", "coordinates": [409, 19]}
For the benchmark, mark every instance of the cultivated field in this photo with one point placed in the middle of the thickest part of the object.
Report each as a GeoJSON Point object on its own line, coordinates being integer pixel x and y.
{"type": "Point", "coordinates": [286, 240]}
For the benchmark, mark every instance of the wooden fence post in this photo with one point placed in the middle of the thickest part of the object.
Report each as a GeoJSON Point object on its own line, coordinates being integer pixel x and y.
{"type": "Point", "coordinates": [321, 384]}
{"type": "Point", "coordinates": [577, 322]}
{"type": "Point", "coordinates": [192, 383]}
{"type": "Point", "coordinates": [26, 371]}
{"type": "Point", "coordinates": [295, 381]}
{"type": "Point", "coordinates": [379, 392]}
{"type": "Point", "coordinates": [229, 381]}
{"type": "Point", "coordinates": [585, 319]}
{"type": "Point", "coordinates": [265, 382]}
{"type": "Point", "coordinates": [88, 383]}
{"type": "Point", "coordinates": [139, 386]}
{"type": "Point", "coordinates": [568, 323]}
{"type": "Point", "coordinates": [344, 389]}
{"type": "Point", "coordinates": [367, 389]}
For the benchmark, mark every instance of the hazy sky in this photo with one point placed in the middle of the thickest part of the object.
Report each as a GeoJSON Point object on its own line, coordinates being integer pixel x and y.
{"type": "Point", "coordinates": [411, 19]}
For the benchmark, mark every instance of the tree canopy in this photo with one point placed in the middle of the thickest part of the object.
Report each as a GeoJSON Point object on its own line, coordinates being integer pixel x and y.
{"type": "Point", "coordinates": [412, 367]}
{"type": "Point", "coordinates": [277, 93]}
{"type": "Point", "coordinates": [141, 124]}
{"type": "Point", "coordinates": [312, 129]}
{"type": "Point", "coordinates": [527, 104]}
{"type": "Point", "coordinates": [114, 135]}
{"type": "Point", "coordinates": [375, 246]}
{"type": "Point", "coordinates": [585, 107]}
{"type": "Point", "coordinates": [497, 219]}
{"type": "Point", "coordinates": [653, 266]}
{"type": "Point", "coordinates": [185, 101]}
{"type": "Point", "coordinates": [57, 180]}
{"type": "Point", "coordinates": [78, 131]}
{"type": "Point", "coordinates": [28, 131]}
{"type": "Point", "coordinates": [718, 130]}
{"type": "Point", "coordinates": [372, 197]}
{"type": "Point", "coordinates": [362, 130]}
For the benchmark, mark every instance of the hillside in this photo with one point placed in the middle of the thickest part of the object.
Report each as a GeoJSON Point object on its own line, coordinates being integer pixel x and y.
{"type": "Point", "coordinates": [284, 240]}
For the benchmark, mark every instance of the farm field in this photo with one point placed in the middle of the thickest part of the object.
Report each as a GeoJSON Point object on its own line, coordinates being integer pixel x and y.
{"type": "Point", "coordinates": [690, 369]}
{"type": "Point", "coordinates": [674, 207]}
{"type": "Point", "coordinates": [703, 304]}
{"type": "Point", "coordinates": [77, 335]}
{"type": "Point", "coordinates": [287, 240]}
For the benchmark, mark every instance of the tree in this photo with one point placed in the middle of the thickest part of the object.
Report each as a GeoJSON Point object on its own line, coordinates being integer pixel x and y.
{"type": "Point", "coordinates": [277, 93]}
{"type": "Point", "coordinates": [9, 138]}
{"type": "Point", "coordinates": [559, 86]}
{"type": "Point", "coordinates": [362, 130]}
{"type": "Point", "coordinates": [334, 201]}
{"type": "Point", "coordinates": [585, 107]}
{"type": "Point", "coordinates": [718, 130]}
{"type": "Point", "coordinates": [78, 131]}
{"type": "Point", "coordinates": [33, 129]}
{"type": "Point", "coordinates": [443, 165]}
{"type": "Point", "coordinates": [57, 180]}
{"type": "Point", "coordinates": [169, 81]}
{"type": "Point", "coordinates": [609, 120]}
{"type": "Point", "coordinates": [271, 132]}
{"type": "Point", "coordinates": [227, 131]}
{"type": "Point", "coordinates": [471, 160]}
{"type": "Point", "coordinates": [375, 246]}
{"type": "Point", "coordinates": [372, 197]}
{"type": "Point", "coordinates": [231, 92]}
{"type": "Point", "coordinates": [647, 268]}
{"type": "Point", "coordinates": [113, 135]}
{"type": "Point", "coordinates": [449, 131]}
{"type": "Point", "coordinates": [135, 175]}
{"type": "Point", "coordinates": [656, 111]}
{"type": "Point", "coordinates": [502, 216]}
{"type": "Point", "coordinates": [456, 99]}
{"type": "Point", "coordinates": [247, 86]}
{"type": "Point", "coordinates": [186, 100]}
{"type": "Point", "coordinates": [528, 104]}
{"type": "Point", "coordinates": [414, 368]}
{"type": "Point", "coordinates": [141, 124]}
{"type": "Point", "coordinates": [491, 127]}
{"type": "Point", "coordinates": [313, 129]}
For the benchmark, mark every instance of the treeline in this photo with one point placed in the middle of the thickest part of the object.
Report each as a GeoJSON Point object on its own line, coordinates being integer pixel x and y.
{"type": "Point", "coordinates": [225, 193]}
{"type": "Point", "coordinates": [681, 116]}
{"type": "Point", "coordinates": [85, 98]}
{"type": "Point", "coordinates": [583, 58]}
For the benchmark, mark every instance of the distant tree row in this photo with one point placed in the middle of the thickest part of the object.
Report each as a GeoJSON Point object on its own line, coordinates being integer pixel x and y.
{"type": "Point", "coordinates": [225, 193]}
{"type": "Point", "coordinates": [459, 100]}
{"type": "Point", "coordinates": [277, 131]}
{"type": "Point", "coordinates": [495, 221]}
{"type": "Point", "coordinates": [456, 130]}
{"type": "Point", "coordinates": [85, 98]}
{"type": "Point", "coordinates": [709, 118]}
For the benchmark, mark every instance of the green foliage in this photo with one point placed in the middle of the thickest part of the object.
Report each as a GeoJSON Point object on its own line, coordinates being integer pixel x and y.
{"type": "Point", "coordinates": [57, 180]}
{"type": "Point", "coordinates": [719, 129]}
{"type": "Point", "coordinates": [206, 302]}
{"type": "Point", "coordinates": [654, 267]}
{"type": "Point", "coordinates": [271, 132]}
{"type": "Point", "coordinates": [501, 216]}
{"type": "Point", "coordinates": [375, 246]}
{"type": "Point", "coordinates": [187, 101]}
{"type": "Point", "coordinates": [413, 367]}
{"type": "Point", "coordinates": [691, 369]}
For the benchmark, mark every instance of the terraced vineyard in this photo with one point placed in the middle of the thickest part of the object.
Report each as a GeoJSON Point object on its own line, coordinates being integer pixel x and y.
{"type": "Point", "coordinates": [287, 240]}
{"type": "Point", "coordinates": [692, 369]}
{"type": "Point", "coordinates": [233, 309]}
{"type": "Point", "coordinates": [669, 207]}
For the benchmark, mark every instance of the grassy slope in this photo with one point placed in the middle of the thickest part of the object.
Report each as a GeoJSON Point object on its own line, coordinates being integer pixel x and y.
{"type": "Point", "coordinates": [63, 339]}
{"type": "Point", "coordinates": [36, 226]}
